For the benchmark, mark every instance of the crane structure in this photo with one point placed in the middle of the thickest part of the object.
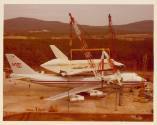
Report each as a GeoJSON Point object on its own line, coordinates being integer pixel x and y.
{"type": "Point", "coordinates": [84, 45]}
{"type": "Point", "coordinates": [112, 35]}
{"type": "Point", "coordinates": [89, 57]}
{"type": "Point", "coordinates": [88, 54]}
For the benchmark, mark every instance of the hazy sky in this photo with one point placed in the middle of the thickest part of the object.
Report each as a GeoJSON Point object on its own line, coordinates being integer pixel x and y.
{"type": "Point", "coordinates": [84, 14]}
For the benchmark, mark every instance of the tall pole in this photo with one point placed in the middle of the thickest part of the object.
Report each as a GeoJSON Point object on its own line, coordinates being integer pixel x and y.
{"type": "Point", "coordinates": [71, 36]}
{"type": "Point", "coordinates": [120, 95]}
{"type": "Point", "coordinates": [68, 101]}
{"type": "Point", "coordinates": [68, 94]}
{"type": "Point", "coordinates": [112, 35]}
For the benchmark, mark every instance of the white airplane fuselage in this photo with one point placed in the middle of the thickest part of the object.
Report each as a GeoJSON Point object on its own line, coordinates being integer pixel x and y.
{"type": "Point", "coordinates": [50, 80]}
{"type": "Point", "coordinates": [72, 67]}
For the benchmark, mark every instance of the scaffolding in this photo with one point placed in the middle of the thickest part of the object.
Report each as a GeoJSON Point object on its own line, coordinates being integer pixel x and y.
{"type": "Point", "coordinates": [93, 49]}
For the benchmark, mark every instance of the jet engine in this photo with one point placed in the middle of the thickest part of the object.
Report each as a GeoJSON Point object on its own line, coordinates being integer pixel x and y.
{"type": "Point", "coordinates": [63, 73]}
{"type": "Point", "coordinates": [96, 93]}
{"type": "Point", "coordinates": [75, 98]}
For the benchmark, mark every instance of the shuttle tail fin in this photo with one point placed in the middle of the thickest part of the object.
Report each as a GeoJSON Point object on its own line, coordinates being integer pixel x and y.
{"type": "Point", "coordinates": [18, 66]}
{"type": "Point", "coordinates": [58, 53]}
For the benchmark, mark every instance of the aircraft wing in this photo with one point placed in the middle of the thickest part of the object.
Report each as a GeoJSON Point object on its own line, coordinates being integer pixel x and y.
{"type": "Point", "coordinates": [83, 88]}
{"type": "Point", "coordinates": [17, 78]}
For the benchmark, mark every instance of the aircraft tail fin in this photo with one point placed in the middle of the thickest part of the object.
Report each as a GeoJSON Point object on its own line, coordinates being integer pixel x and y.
{"type": "Point", "coordinates": [18, 66]}
{"type": "Point", "coordinates": [58, 53]}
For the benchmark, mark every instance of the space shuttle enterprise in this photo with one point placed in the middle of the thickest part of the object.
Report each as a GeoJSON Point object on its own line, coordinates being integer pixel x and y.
{"type": "Point", "coordinates": [63, 68]}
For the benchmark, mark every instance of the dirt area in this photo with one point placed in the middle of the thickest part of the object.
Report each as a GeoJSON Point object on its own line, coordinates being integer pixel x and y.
{"type": "Point", "coordinates": [25, 97]}
{"type": "Point", "coordinates": [31, 116]}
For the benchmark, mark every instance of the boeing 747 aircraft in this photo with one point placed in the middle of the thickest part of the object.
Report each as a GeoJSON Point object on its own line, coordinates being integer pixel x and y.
{"type": "Point", "coordinates": [87, 84]}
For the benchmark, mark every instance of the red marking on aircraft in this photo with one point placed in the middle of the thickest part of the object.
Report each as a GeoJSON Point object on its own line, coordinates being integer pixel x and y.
{"type": "Point", "coordinates": [18, 65]}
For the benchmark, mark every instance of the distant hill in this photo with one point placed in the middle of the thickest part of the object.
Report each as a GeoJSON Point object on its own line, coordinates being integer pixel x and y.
{"type": "Point", "coordinates": [30, 25]}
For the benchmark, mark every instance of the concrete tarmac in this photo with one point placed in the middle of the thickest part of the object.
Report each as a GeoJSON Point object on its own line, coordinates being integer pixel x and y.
{"type": "Point", "coordinates": [23, 96]}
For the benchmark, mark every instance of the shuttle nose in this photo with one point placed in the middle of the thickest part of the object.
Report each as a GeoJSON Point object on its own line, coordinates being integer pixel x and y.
{"type": "Point", "coordinates": [43, 65]}
{"type": "Point", "coordinates": [144, 80]}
